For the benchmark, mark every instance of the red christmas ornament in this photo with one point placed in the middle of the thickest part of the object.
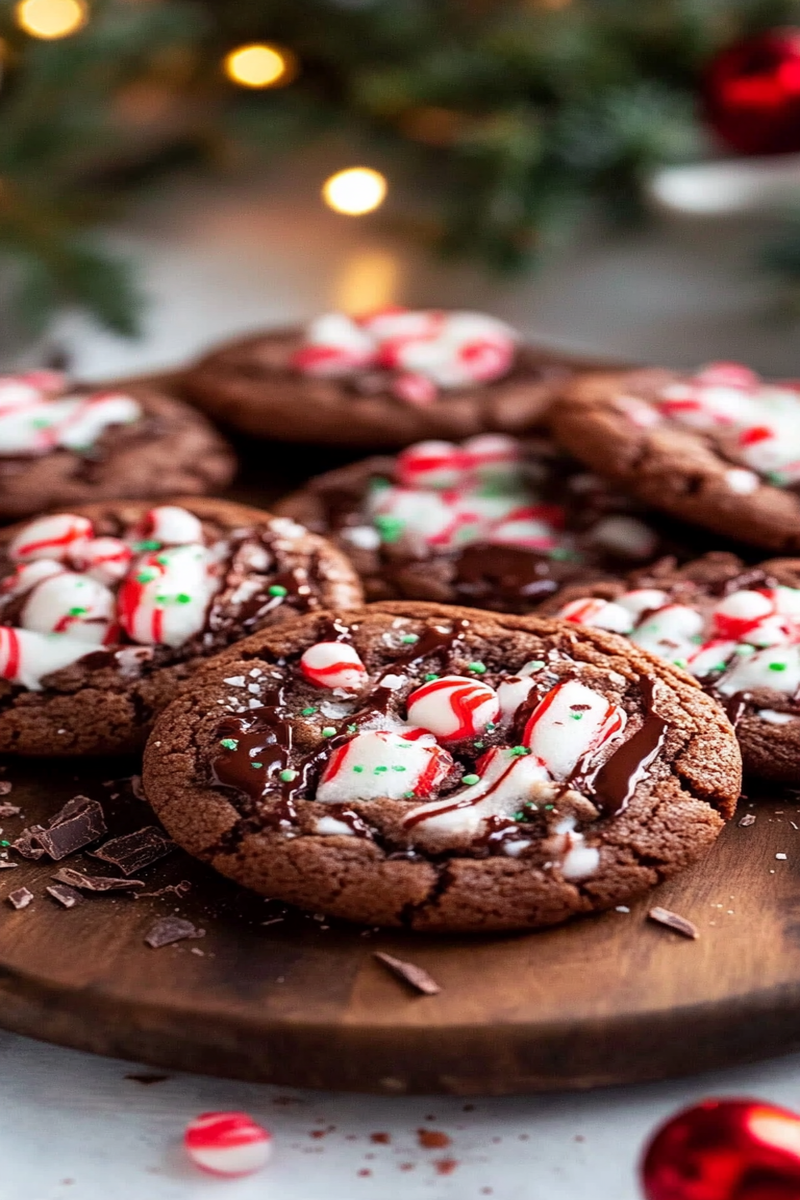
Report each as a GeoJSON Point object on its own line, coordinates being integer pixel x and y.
{"type": "Point", "coordinates": [752, 93]}
{"type": "Point", "coordinates": [725, 1150]}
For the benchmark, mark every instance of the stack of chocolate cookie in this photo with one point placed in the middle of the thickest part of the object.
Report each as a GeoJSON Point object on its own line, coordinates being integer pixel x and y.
{"type": "Point", "coordinates": [567, 622]}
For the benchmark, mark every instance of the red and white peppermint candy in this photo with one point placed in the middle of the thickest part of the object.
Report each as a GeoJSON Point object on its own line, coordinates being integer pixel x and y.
{"type": "Point", "coordinates": [438, 465]}
{"type": "Point", "coordinates": [453, 707]}
{"type": "Point", "coordinates": [571, 721]}
{"type": "Point", "coordinates": [513, 692]}
{"type": "Point", "coordinates": [535, 527]}
{"type": "Point", "coordinates": [335, 346]}
{"type": "Point", "coordinates": [493, 456]}
{"type": "Point", "coordinates": [227, 1143]}
{"type": "Point", "coordinates": [105, 559]}
{"type": "Point", "coordinates": [333, 665]}
{"type": "Point", "coordinates": [27, 657]}
{"type": "Point", "coordinates": [506, 782]}
{"type": "Point", "coordinates": [165, 597]}
{"type": "Point", "coordinates": [600, 614]}
{"type": "Point", "coordinates": [50, 537]}
{"type": "Point", "coordinates": [70, 604]}
{"type": "Point", "coordinates": [27, 575]}
{"type": "Point", "coordinates": [414, 389]}
{"type": "Point", "coordinates": [170, 525]}
{"type": "Point", "coordinates": [382, 764]}
{"type": "Point", "coordinates": [32, 422]}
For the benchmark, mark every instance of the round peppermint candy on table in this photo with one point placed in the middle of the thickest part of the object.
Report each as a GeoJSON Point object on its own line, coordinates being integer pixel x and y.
{"type": "Point", "coordinates": [230, 1144]}
{"type": "Point", "coordinates": [493, 521]}
{"type": "Point", "coordinates": [381, 381]}
{"type": "Point", "coordinates": [105, 611]}
{"type": "Point", "coordinates": [65, 445]}
{"type": "Point", "coordinates": [487, 771]}
{"type": "Point", "coordinates": [720, 448]}
{"type": "Point", "coordinates": [735, 628]}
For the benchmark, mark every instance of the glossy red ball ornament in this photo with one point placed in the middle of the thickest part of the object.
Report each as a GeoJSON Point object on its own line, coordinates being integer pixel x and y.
{"type": "Point", "coordinates": [725, 1150]}
{"type": "Point", "coordinates": [752, 93]}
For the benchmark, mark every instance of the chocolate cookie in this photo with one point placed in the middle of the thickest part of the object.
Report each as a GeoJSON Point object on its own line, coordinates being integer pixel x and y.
{"type": "Point", "coordinates": [105, 611]}
{"type": "Point", "coordinates": [720, 448]}
{"type": "Point", "coordinates": [443, 768]}
{"type": "Point", "coordinates": [380, 382]}
{"type": "Point", "coordinates": [496, 522]}
{"type": "Point", "coordinates": [62, 445]}
{"type": "Point", "coordinates": [735, 628]}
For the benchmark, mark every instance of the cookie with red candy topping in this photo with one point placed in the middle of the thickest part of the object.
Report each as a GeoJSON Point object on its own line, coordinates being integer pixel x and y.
{"type": "Point", "coordinates": [478, 772]}
{"type": "Point", "coordinates": [107, 610]}
{"type": "Point", "coordinates": [380, 381]}
{"type": "Point", "coordinates": [735, 628]}
{"type": "Point", "coordinates": [63, 444]}
{"type": "Point", "coordinates": [720, 448]}
{"type": "Point", "coordinates": [495, 521]}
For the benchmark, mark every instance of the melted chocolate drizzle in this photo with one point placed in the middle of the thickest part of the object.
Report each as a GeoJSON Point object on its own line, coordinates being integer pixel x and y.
{"type": "Point", "coordinates": [614, 783]}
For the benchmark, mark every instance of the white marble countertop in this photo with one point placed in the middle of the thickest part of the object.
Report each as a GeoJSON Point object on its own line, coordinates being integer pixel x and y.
{"type": "Point", "coordinates": [216, 261]}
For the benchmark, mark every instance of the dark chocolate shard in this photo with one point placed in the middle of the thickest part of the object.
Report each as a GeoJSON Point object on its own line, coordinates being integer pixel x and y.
{"type": "Point", "coordinates": [416, 977]}
{"type": "Point", "coordinates": [174, 889]}
{"type": "Point", "coordinates": [65, 896]}
{"type": "Point", "coordinates": [9, 810]}
{"type": "Point", "coordinates": [27, 843]}
{"type": "Point", "coordinates": [94, 883]}
{"type": "Point", "coordinates": [134, 851]}
{"type": "Point", "coordinates": [674, 921]}
{"type": "Point", "coordinates": [171, 929]}
{"type": "Point", "coordinates": [21, 898]}
{"type": "Point", "coordinates": [79, 823]}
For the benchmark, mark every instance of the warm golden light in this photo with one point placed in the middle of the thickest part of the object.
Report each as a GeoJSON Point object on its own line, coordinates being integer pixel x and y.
{"type": "Point", "coordinates": [51, 19]}
{"type": "Point", "coordinates": [260, 66]}
{"type": "Point", "coordinates": [356, 191]}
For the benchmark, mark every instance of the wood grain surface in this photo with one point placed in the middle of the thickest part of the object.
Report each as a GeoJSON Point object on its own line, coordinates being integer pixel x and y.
{"type": "Point", "coordinates": [299, 1000]}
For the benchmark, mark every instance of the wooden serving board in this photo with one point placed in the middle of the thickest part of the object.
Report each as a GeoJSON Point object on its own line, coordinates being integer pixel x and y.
{"type": "Point", "coordinates": [300, 1001]}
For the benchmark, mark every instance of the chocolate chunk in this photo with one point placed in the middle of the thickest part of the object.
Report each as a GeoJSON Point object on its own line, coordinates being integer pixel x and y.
{"type": "Point", "coordinates": [9, 810]}
{"type": "Point", "coordinates": [414, 976]}
{"type": "Point", "coordinates": [94, 883]}
{"type": "Point", "coordinates": [21, 898]}
{"type": "Point", "coordinates": [65, 896]}
{"type": "Point", "coordinates": [133, 851]}
{"type": "Point", "coordinates": [171, 929]}
{"type": "Point", "coordinates": [27, 843]}
{"type": "Point", "coordinates": [79, 823]}
{"type": "Point", "coordinates": [663, 916]}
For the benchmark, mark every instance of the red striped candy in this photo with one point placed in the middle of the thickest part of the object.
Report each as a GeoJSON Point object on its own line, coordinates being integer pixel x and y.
{"type": "Point", "coordinates": [227, 1143]}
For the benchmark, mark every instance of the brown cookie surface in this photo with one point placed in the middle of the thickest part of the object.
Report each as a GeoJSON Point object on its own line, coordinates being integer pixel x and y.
{"type": "Point", "coordinates": [106, 611]}
{"type": "Point", "coordinates": [62, 445]}
{"type": "Point", "coordinates": [437, 767]}
{"type": "Point", "coordinates": [497, 522]}
{"type": "Point", "coordinates": [720, 448]}
{"type": "Point", "coordinates": [251, 385]}
{"type": "Point", "coordinates": [734, 627]}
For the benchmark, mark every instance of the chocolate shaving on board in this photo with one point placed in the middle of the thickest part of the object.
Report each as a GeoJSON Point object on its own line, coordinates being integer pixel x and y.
{"type": "Point", "coordinates": [9, 810]}
{"type": "Point", "coordinates": [67, 897]}
{"type": "Point", "coordinates": [177, 889]}
{"type": "Point", "coordinates": [134, 851]}
{"type": "Point", "coordinates": [674, 921]}
{"type": "Point", "coordinates": [171, 929]}
{"type": "Point", "coordinates": [748, 819]}
{"type": "Point", "coordinates": [5, 865]}
{"type": "Point", "coordinates": [414, 976]}
{"type": "Point", "coordinates": [94, 883]}
{"type": "Point", "coordinates": [5, 787]}
{"type": "Point", "coordinates": [21, 898]}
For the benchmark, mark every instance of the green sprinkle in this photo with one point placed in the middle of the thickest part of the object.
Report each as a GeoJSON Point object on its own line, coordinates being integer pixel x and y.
{"type": "Point", "coordinates": [147, 576]}
{"type": "Point", "coordinates": [409, 795]}
{"type": "Point", "coordinates": [719, 666]}
{"type": "Point", "coordinates": [390, 528]}
{"type": "Point", "coordinates": [697, 640]}
{"type": "Point", "coordinates": [490, 728]}
{"type": "Point", "coordinates": [277, 590]}
{"type": "Point", "coordinates": [576, 716]}
{"type": "Point", "coordinates": [777, 478]}
{"type": "Point", "coordinates": [745, 649]}
{"type": "Point", "coordinates": [4, 842]}
{"type": "Point", "coordinates": [559, 553]}
{"type": "Point", "coordinates": [519, 816]}
{"type": "Point", "coordinates": [408, 638]}
{"type": "Point", "coordinates": [398, 768]}
{"type": "Point", "coordinates": [520, 751]}
{"type": "Point", "coordinates": [429, 678]}
{"type": "Point", "coordinates": [380, 770]}
{"type": "Point", "coordinates": [536, 664]}
{"type": "Point", "coordinates": [77, 611]}
{"type": "Point", "coordinates": [256, 765]}
{"type": "Point", "coordinates": [777, 666]}
{"type": "Point", "coordinates": [328, 731]}
{"type": "Point", "coordinates": [149, 544]}
{"type": "Point", "coordinates": [470, 779]}
{"type": "Point", "coordinates": [358, 770]}
{"type": "Point", "coordinates": [479, 745]}
{"type": "Point", "coordinates": [680, 662]}
{"type": "Point", "coordinates": [41, 423]}
{"type": "Point", "coordinates": [477, 668]}
{"type": "Point", "coordinates": [287, 776]}
{"type": "Point", "coordinates": [352, 728]}
{"type": "Point", "coordinates": [548, 807]}
{"type": "Point", "coordinates": [307, 712]}
{"type": "Point", "coordinates": [229, 743]}
{"type": "Point", "coordinates": [183, 598]}
{"type": "Point", "coordinates": [163, 559]}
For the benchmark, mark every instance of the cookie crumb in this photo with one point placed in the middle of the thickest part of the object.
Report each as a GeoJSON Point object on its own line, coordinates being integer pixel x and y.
{"type": "Point", "coordinates": [663, 916]}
